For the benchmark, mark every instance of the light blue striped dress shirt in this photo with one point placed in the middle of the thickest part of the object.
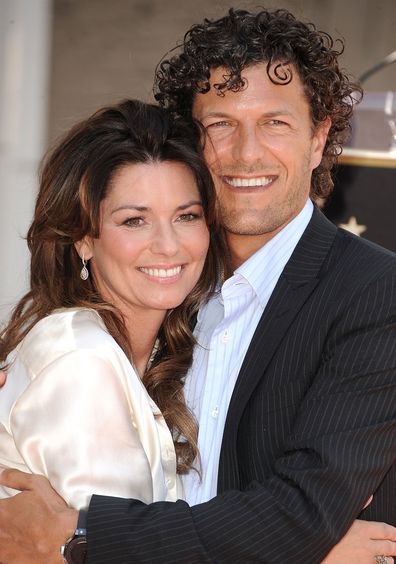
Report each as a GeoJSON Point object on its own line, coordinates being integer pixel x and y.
{"type": "Point", "coordinates": [224, 329]}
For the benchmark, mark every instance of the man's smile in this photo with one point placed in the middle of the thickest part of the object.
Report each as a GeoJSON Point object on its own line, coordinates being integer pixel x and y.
{"type": "Point", "coordinates": [243, 182]}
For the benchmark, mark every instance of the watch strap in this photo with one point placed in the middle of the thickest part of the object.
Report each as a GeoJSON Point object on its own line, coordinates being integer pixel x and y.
{"type": "Point", "coordinates": [74, 551]}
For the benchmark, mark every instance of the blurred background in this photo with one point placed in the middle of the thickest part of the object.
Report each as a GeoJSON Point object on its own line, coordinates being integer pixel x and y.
{"type": "Point", "coordinates": [62, 59]}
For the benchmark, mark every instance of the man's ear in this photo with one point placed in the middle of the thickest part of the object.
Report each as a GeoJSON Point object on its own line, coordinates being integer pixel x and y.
{"type": "Point", "coordinates": [319, 141]}
{"type": "Point", "coordinates": [84, 247]}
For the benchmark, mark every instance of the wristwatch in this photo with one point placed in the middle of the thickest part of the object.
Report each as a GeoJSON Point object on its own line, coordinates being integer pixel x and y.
{"type": "Point", "coordinates": [74, 551]}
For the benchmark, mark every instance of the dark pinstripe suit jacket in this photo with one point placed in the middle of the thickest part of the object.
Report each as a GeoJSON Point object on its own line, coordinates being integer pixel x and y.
{"type": "Point", "coordinates": [311, 428]}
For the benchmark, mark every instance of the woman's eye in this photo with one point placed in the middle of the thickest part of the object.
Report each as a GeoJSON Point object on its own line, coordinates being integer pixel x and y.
{"type": "Point", "coordinates": [188, 217]}
{"type": "Point", "coordinates": [133, 221]}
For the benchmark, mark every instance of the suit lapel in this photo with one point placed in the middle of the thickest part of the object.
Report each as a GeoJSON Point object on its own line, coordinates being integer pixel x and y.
{"type": "Point", "coordinates": [297, 282]}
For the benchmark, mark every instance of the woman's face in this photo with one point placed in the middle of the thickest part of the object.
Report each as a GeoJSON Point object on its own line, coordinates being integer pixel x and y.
{"type": "Point", "coordinates": [153, 239]}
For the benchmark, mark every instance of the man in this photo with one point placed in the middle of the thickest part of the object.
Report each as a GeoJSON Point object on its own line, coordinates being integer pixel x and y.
{"type": "Point", "coordinates": [294, 378]}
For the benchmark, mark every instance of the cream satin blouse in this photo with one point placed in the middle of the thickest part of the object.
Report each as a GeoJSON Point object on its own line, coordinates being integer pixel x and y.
{"type": "Point", "coordinates": [74, 409]}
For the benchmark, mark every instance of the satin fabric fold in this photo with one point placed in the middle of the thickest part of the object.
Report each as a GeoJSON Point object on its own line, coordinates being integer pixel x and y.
{"type": "Point", "coordinates": [75, 410]}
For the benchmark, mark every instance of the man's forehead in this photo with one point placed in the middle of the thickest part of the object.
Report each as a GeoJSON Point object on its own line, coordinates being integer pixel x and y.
{"type": "Point", "coordinates": [278, 71]}
{"type": "Point", "coordinates": [258, 83]}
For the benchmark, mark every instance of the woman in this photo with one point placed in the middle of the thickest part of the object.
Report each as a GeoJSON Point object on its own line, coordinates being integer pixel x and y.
{"type": "Point", "coordinates": [119, 266]}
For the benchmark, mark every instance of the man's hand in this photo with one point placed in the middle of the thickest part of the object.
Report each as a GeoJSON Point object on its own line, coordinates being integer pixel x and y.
{"type": "Point", "coordinates": [35, 523]}
{"type": "Point", "coordinates": [363, 542]}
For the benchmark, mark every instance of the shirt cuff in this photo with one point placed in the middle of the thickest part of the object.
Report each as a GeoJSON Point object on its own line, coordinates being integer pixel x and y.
{"type": "Point", "coordinates": [82, 519]}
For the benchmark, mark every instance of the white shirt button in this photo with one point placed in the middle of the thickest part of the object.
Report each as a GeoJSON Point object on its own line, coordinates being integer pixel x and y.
{"type": "Point", "coordinates": [226, 337]}
{"type": "Point", "coordinates": [215, 412]}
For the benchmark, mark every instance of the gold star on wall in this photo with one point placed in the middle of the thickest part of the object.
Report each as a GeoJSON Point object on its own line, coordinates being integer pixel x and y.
{"type": "Point", "coordinates": [353, 226]}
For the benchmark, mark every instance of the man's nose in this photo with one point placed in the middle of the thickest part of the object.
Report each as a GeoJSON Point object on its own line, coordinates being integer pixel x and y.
{"type": "Point", "coordinates": [247, 146]}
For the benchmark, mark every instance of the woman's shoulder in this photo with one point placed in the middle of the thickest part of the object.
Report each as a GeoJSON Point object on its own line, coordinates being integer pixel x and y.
{"type": "Point", "coordinates": [67, 324]}
{"type": "Point", "coordinates": [62, 331]}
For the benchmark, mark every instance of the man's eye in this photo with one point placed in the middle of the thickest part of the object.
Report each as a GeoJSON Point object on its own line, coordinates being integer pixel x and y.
{"type": "Point", "coordinates": [277, 122]}
{"type": "Point", "coordinates": [217, 124]}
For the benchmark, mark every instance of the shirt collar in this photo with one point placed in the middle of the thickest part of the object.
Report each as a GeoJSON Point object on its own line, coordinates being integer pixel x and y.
{"type": "Point", "coordinates": [267, 263]}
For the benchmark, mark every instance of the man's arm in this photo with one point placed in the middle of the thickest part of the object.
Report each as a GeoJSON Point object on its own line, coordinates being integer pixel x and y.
{"type": "Point", "coordinates": [35, 523]}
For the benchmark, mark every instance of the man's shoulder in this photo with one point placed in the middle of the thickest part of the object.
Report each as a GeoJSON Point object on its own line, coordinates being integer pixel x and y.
{"type": "Point", "coordinates": [350, 251]}
{"type": "Point", "coordinates": [357, 267]}
{"type": "Point", "coordinates": [363, 254]}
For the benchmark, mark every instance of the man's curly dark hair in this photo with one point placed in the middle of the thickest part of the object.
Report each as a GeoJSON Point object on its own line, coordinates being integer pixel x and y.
{"type": "Point", "coordinates": [277, 38]}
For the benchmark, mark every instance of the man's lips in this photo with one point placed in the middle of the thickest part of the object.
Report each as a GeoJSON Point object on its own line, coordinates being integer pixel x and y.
{"type": "Point", "coordinates": [244, 182]}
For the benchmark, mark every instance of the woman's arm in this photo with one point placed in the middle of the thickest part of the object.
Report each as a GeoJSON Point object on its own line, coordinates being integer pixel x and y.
{"type": "Point", "coordinates": [74, 424]}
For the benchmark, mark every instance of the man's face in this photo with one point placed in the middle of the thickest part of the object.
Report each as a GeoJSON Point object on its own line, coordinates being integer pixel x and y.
{"type": "Point", "coordinates": [261, 149]}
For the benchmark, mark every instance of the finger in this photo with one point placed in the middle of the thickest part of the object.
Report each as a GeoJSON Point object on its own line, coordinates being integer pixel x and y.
{"type": "Point", "coordinates": [380, 531]}
{"type": "Point", "coordinates": [18, 480]}
{"type": "Point", "coordinates": [385, 547]}
{"type": "Point", "coordinates": [375, 530]}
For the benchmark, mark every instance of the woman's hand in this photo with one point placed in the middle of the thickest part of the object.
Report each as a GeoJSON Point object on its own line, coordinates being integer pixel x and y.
{"type": "Point", "coordinates": [363, 542]}
{"type": "Point", "coordinates": [34, 523]}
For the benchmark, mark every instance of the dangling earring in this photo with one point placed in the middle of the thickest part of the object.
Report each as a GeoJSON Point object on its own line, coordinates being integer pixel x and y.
{"type": "Point", "coordinates": [84, 274]}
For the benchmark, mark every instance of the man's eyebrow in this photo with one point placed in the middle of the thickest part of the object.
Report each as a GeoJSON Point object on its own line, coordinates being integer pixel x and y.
{"type": "Point", "coordinates": [270, 113]}
{"type": "Point", "coordinates": [278, 112]}
{"type": "Point", "coordinates": [216, 114]}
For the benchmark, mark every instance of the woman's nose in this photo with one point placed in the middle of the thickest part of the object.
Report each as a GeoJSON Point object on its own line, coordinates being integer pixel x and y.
{"type": "Point", "coordinates": [165, 241]}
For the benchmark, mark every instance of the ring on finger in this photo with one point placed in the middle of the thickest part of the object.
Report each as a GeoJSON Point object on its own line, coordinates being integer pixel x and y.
{"type": "Point", "coordinates": [381, 559]}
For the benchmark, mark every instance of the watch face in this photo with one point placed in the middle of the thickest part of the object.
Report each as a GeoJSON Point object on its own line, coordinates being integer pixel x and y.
{"type": "Point", "coordinates": [76, 551]}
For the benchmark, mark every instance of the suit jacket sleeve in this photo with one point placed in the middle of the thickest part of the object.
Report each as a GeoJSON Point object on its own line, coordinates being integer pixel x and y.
{"type": "Point", "coordinates": [341, 447]}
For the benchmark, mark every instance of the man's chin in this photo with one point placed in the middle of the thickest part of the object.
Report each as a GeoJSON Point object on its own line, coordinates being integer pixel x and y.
{"type": "Point", "coordinates": [247, 222]}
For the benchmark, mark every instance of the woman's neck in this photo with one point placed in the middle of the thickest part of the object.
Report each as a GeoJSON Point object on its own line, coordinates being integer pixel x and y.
{"type": "Point", "coordinates": [142, 331]}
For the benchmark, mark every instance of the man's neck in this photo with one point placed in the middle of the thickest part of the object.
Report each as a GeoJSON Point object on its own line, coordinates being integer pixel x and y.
{"type": "Point", "coordinates": [242, 247]}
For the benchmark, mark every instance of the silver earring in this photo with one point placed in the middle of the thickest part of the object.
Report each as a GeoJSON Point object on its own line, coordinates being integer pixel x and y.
{"type": "Point", "coordinates": [84, 274]}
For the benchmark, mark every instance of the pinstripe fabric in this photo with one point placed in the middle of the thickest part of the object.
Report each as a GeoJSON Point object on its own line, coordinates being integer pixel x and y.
{"type": "Point", "coordinates": [311, 426]}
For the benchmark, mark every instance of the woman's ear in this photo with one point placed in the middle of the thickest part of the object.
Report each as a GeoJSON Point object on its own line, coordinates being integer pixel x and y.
{"type": "Point", "coordinates": [84, 247]}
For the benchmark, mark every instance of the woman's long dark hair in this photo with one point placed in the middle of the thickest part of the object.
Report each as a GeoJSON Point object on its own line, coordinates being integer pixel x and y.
{"type": "Point", "coordinates": [74, 179]}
